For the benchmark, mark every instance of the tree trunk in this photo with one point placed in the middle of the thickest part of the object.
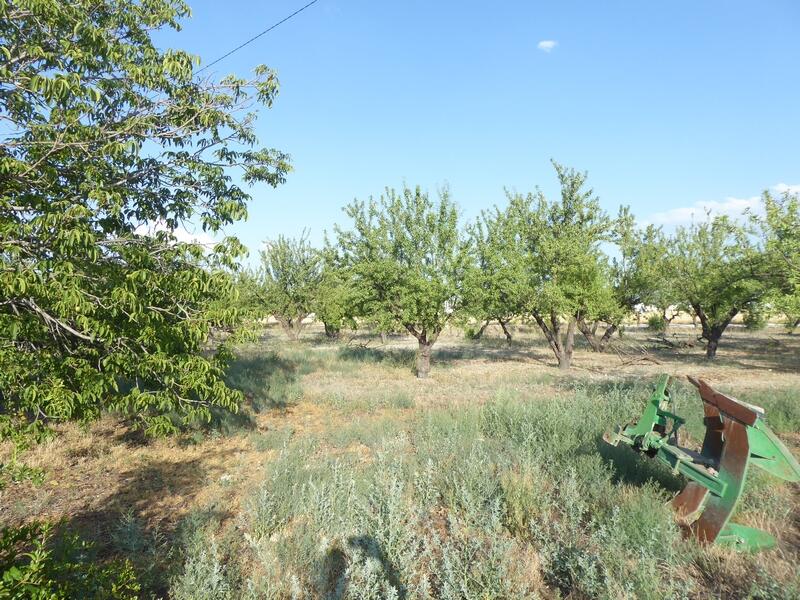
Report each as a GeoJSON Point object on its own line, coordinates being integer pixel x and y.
{"type": "Point", "coordinates": [503, 324]}
{"type": "Point", "coordinates": [297, 326]}
{"type": "Point", "coordinates": [607, 336]}
{"type": "Point", "coordinates": [667, 320]}
{"type": "Point", "coordinates": [288, 327]}
{"type": "Point", "coordinates": [712, 332]}
{"type": "Point", "coordinates": [480, 331]}
{"type": "Point", "coordinates": [561, 349]}
{"type": "Point", "coordinates": [589, 334]}
{"type": "Point", "coordinates": [711, 348]}
{"type": "Point", "coordinates": [792, 325]}
{"type": "Point", "coordinates": [565, 357]}
{"type": "Point", "coordinates": [332, 331]}
{"type": "Point", "coordinates": [424, 358]}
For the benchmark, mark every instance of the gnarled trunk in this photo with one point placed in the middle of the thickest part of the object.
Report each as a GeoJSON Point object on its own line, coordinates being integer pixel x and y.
{"type": "Point", "coordinates": [287, 325]}
{"type": "Point", "coordinates": [667, 320]}
{"type": "Point", "coordinates": [479, 334]}
{"type": "Point", "coordinates": [332, 331]}
{"type": "Point", "coordinates": [562, 346]}
{"type": "Point", "coordinates": [292, 326]}
{"type": "Point", "coordinates": [504, 325]}
{"type": "Point", "coordinates": [426, 339]}
{"type": "Point", "coordinates": [598, 344]}
{"type": "Point", "coordinates": [712, 332]}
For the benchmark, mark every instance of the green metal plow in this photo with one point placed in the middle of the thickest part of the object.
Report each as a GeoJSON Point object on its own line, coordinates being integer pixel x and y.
{"type": "Point", "coordinates": [736, 438]}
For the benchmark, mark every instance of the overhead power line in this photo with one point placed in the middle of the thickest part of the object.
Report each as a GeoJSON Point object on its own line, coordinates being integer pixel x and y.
{"type": "Point", "coordinates": [255, 37]}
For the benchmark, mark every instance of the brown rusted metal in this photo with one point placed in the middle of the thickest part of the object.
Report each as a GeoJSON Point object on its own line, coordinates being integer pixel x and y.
{"type": "Point", "coordinates": [730, 406]}
{"type": "Point", "coordinates": [718, 509]}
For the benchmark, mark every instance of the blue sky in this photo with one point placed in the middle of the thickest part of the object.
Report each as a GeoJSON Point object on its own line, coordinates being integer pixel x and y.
{"type": "Point", "coordinates": [668, 105]}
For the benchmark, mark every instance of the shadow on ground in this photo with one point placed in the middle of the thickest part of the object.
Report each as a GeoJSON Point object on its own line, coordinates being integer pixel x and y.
{"type": "Point", "coordinates": [130, 522]}
{"type": "Point", "coordinates": [334, 567]}
{"type": "Point", "coordinates": [268, 382]}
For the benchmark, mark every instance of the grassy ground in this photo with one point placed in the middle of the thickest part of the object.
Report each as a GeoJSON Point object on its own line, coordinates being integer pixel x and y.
{"type": "Point", "coordinates": [346, 477]}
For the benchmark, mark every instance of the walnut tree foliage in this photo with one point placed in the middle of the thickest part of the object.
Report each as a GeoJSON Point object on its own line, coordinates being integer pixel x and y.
{"type": "Point", "coordinates": [287, 282]}
{"type": "Point", "coordinates": [717, 270]}
{"type": "Point", "coordinates": [407, 257]}
{"type": "Point", "coordinates": [103, 132]}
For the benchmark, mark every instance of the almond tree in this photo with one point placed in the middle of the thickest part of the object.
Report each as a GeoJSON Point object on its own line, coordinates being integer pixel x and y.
{"type": "Point", "coordinates": [780, 234]}
{"type": "Point", "coordinates": [335, 303]}
{"type": "Point", "coordinates": [103, 132]}
{"type": "Point", "coordinates": [407, 256]}
{"type": "Point", "coordinates": [565, 264]}
{"type": "Point", "coordinates": [717, 269]}
{"type": "Point", "coordinates": [636, 277]}
{"type": "Point", "coordinates": [496, 286]}
{"type": "Point", "coordinates": [288, 282]}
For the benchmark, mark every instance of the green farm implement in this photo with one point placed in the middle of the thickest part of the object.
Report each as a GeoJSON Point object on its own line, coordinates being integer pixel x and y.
{"type": "Point", "coordinates": [737, 437]}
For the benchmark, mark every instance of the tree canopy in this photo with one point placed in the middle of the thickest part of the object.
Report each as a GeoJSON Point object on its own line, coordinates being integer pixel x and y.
{"type": "Point", "coordinates": [336, 300]}
{"type": "Point", "coordinates": [636, 278]}
{"type": "Point", "coordinates": [103, 134]}
{"type": "Point", "coordinates": [717, 269]}
{"type": "Point", "coordinates": [566, 275]}
{"type": "Point", "coordinates": [407, 256]}
{"type": "Point", "coordinates": [287, 284]}
{"type": "Point", "coordinates": [496, 283]}
{"type": "Point", "coordinates": [780, 230]}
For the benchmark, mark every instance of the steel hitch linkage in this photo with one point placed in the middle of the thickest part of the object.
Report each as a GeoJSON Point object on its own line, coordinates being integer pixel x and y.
{"type": "Point", "coordinates": [736, 437]}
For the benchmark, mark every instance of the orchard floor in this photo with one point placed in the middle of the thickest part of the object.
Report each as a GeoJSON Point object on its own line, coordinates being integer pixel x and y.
{"type": "Point", "coordinates": [317, 409]}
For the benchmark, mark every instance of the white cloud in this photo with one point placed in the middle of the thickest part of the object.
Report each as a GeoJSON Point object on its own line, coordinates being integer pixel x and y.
{"type": "Point", "coordinates": [733, 207]}
{"type": "Point", "coordinates": [730, 206]}
{"type": "Point", "coordinates": [783, 188]}
{"type": "Point", "coordinates": [547, 45]}
{"type": "Point", "coordinates": [181, 233]}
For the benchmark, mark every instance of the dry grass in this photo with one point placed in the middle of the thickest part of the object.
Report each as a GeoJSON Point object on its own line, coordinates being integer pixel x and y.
{"type": "Point", "coordinates": [348, 396]}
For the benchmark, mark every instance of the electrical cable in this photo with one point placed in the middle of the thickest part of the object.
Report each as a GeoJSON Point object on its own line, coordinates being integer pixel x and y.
{"type": "Point", "coordinates": [255, 37]}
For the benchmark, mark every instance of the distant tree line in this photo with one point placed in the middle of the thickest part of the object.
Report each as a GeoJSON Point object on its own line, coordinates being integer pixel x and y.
{"type": "Point", "coordinates": [406, 263]}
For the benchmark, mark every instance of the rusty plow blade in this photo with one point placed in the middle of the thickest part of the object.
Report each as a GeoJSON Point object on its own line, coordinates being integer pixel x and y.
{"type": "Point", "coordinates": [737, 437]}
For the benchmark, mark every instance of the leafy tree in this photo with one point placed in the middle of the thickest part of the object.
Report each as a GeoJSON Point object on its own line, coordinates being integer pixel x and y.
{"type": "Point", "coordinates": [335, 302]}
{"type": "Point", "coordinates": [407, 256]}
{"type": "Point", "coordinates": [104, 133]}
{"type": "Point", "coordinates": [650, 278]}
{"type": "Point", "coordinates": [496, 287]}
{"type": "Point", "coordinates": [608, 309]}
{"type": "Point", "coordinates": [780, 231]}
{"type": "Point", "coordinates": [717, 269]}
{"type": "Point", "coordinates": [637, 277]}
{"type": "Point", "coordinates": [288, 281]}
{"type": "Point", "coordinates": [565, 265]}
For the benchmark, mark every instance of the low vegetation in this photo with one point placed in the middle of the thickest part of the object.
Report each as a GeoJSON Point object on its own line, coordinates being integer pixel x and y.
{"type": "Point", "coordinates": [492, 484]}
{"type": "Point", "coordinates": [156, 440]}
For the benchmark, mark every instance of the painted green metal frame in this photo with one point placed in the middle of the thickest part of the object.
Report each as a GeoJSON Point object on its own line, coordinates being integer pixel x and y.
{"type": "Point", "coordinates": [736, 438]}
